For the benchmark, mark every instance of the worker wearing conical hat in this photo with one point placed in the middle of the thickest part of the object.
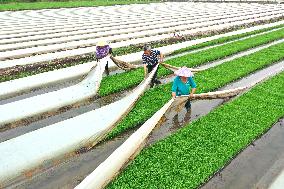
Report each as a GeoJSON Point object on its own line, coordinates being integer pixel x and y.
{"type": "Point", "coordinates": [184, 84]}
{"type": "Point", "coordinates": [102, 50]}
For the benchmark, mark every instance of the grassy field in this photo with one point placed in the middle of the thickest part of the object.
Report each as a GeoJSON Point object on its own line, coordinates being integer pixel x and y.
{"type": "Point", "coordinates": [34, 4]}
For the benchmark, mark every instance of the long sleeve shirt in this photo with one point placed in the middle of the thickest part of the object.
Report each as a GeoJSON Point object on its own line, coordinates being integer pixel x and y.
{"type": "Point", "coordinates": [181, 88]}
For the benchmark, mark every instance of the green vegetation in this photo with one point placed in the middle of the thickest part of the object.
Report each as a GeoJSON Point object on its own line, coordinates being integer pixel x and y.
{"type": "Point", "coordinates": [207, 80]}
{"type": "Point", "coordinates": [45, 4]}
{"type": "Point", "coordinates": [119, 82]}
{"type": "Point", "coordinates": [192, 155]}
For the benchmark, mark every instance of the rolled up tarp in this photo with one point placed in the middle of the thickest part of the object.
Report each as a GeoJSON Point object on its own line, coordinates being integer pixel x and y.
{"type": "Point", "coordinates": [218, 94]}
{"type": "Point", "coordinates": [174, 68]}
{"type": "Point", "coordinates": [28, 153]}
{"type": "Point", "coordinates": [123, 65]}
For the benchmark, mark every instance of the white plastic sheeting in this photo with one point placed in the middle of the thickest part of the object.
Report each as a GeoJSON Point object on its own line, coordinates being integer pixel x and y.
{"type": "Point", "coordinates": [29, 83]}
{"type": "Point", "coordinates": [29, 151]}
{"type": "Point", "coordinates": [123, 22]}
{"type": "Point", "coordinates": [113, 164]}
{"type": "Point", "coordinates": [35, 54]}
{"type": "Point", "coordinates": [278, 183]}
{"type": "Point", "coordinates": [52, 101]}
{"type": "Point", "coordinates": [242, 14]}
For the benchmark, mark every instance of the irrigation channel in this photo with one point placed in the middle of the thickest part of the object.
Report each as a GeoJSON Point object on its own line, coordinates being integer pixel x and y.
{"type": "Point", "coordinates": [62, 159]}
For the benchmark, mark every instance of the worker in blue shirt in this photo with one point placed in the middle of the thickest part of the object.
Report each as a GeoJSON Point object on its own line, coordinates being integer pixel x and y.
{"type": "Point", "coordinates": [184, 85]}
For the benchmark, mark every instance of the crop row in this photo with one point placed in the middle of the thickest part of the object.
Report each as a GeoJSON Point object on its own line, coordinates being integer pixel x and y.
{"type": "Point", "coordinates": [207, 80]}
{"type": "Point", "coordinates": [192, 155]}
{"type": "Point", "coordinates": [58, 64]}
{"type": "Point", "coordinates": [129, 79]}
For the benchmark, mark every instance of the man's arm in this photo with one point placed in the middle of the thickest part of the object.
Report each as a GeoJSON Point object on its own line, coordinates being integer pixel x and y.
{"type": "Point", "coordinates": [193, 86]}
{"type": "Point", "coordinates": [145, 70]}
{"type": "Point", "coordinates": [144, 62]}
{"type": "Point", "coordinates": [174, 94]}
{"type": "Point", "coordinates": [192, 92]}
{"type": "Point", "coordinates": [161, 57]}
{"type": "Point", "coordinates": [110, 51]}
{"type": "Point", "coordinates": [174, 88]}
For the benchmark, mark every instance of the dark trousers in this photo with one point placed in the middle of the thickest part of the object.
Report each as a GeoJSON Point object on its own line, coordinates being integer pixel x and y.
{"type": "Point", "coordinates": [150, 68]}
{"type": "Point", "coordinates": [187, 105]}
{"type": "Point", "coordinates": [106, 69]}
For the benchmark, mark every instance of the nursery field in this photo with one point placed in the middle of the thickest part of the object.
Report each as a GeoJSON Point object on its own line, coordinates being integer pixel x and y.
{"type": "Point", "coordinates": [65, 124]}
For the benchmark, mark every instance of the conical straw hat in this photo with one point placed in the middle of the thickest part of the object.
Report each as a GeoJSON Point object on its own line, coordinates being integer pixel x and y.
{"type": "Point", "coordinates": [102, 43]}
{"type": "Point", "coordinates": [184, 71]}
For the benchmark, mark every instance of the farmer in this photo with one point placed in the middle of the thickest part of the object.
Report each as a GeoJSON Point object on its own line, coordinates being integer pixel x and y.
{"type": "Point", "coordinates": [103, 50]}
{"type": "Point", "coordinates": [184, 85]}
{"type": "Point", "coordinates": [150, 60]}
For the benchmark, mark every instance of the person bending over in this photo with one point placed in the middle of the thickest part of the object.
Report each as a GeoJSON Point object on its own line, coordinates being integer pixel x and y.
{"type": "Point", "coordinates": [150, 59]}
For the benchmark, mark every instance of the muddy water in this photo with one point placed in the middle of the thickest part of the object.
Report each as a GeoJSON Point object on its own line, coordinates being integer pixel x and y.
{"type": "Point", "coordinates": [175, 119]}
{"type": "Point", "coordinates": [257, 166]}
{"type": "Point", "coordinates": [71, 172]}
